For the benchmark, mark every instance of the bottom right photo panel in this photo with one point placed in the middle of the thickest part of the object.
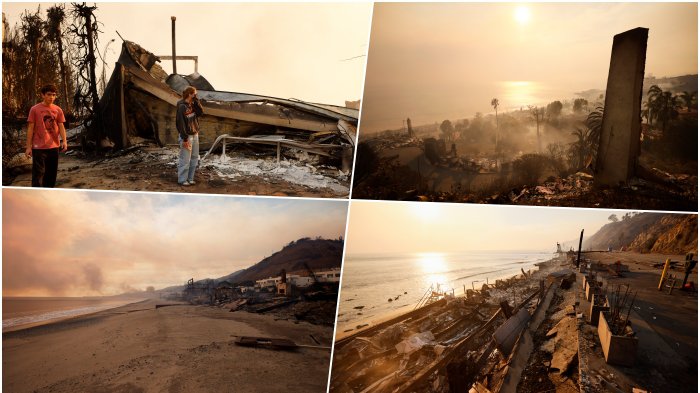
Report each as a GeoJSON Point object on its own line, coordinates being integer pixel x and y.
{"type": "Point", "coordinates": [482, 298]}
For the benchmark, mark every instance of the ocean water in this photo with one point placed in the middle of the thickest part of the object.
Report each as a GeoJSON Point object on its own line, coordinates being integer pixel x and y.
{"type": "Point", "coordinates": [369, 280]}
{"type": "Point", "coordinates": [20, 311]}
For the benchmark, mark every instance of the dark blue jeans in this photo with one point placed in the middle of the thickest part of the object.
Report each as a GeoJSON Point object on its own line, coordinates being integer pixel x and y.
{"type": "Point", "coordinates": [44, 167]}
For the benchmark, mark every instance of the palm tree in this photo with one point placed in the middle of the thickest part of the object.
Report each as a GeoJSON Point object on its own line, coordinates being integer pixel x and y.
{"type": "Point", "coordinates": [645, 111]}
{"type": "Point", "coordinates": [688, 98]}
{"type": "Point", "coordinates": [668, 108]}
{"type": "Point", "coordinates": [579, 149]}
{"type": "Point", "coordinates": [494, 104]}
{"type": "Point", "coordinates": [538, 114]}
{"type": "Point", "coordinates": [589, 139]}
{"type": "Point", "coordinates": [32, 29]}
{"type": "Point", "coordinates": [653, 102]}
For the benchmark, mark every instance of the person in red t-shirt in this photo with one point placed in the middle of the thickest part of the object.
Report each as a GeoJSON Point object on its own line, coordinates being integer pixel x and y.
{"type": "Point", "coordinates": [45, 124]}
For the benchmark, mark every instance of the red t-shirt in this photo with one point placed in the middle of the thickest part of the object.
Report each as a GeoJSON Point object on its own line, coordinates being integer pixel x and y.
{"type": "Point", "coordinates": [45, 119]}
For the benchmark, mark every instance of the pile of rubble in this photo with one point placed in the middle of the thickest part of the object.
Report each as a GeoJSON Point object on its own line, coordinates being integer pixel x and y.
{"type": "Point", "coordinates": [444, 346]}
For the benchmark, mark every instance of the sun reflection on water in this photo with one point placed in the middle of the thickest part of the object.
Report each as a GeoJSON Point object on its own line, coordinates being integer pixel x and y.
{"type": "Point", "coordinates": [434, 268]}
{"type": "Point", "coordinates": [518, 94]}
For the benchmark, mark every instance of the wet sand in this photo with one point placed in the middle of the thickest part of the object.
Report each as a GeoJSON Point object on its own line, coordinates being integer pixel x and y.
{"type": "Point", "coordinates": [180, 348]}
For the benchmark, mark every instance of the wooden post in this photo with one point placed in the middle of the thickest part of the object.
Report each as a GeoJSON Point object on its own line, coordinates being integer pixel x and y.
{"type": "Point", "coordinates": [122, 110]}
{"type": "Point", "coordinates": [663, 274]}
{"type": "Point", "coordinates": [278, 153]}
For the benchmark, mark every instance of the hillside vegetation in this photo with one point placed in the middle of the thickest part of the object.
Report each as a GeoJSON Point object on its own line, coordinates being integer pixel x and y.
{"type": "Point", "coordinates": [648, 233]}
{"type": "Point", "coordinates": [316, 253]}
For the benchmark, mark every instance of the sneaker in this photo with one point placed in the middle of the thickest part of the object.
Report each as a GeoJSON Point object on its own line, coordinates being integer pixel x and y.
{"type": "Point", "coordinates": [186, 183]}
{"type": "Point", "coordinates": [191, 182]}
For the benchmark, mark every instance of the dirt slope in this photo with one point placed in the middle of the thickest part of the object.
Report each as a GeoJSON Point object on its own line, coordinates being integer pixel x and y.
{"type": "Point", "coordinates": [649, 232]}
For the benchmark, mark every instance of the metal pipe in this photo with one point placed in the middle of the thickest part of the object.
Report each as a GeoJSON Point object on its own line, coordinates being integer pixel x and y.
{"type": "Point", "coordinates": [663, 274]}
{"type": "Point", "coordinates": [172, 20]}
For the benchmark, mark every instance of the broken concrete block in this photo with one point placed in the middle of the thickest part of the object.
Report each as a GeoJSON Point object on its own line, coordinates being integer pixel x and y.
{"type": "Point", "coordinates": [619, 350]}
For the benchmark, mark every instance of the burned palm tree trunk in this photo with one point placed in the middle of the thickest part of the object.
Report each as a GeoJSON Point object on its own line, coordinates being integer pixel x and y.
{"type": "Point", "coordinates": [85, 29]}
{"type": "Point", "coordinates": [56, 15]}
{"type": "Point", "coordinates": [33, 33]}
{"type": "Point", "coordinates": [91, 31]}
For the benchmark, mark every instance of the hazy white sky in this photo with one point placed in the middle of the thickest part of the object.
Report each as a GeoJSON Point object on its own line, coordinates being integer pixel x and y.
{"type": "Point", "coordinates": [77, 243]}
{"type": "Point", "coordinates": [410, 227]}
{"type": "Point", "coordinates": [281, 50]}
{"type": "Point", "coordinates": [432, 62]}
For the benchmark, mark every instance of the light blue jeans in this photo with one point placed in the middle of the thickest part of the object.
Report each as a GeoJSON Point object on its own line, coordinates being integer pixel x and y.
{"type": "Point", "coordinates": [187, 160]}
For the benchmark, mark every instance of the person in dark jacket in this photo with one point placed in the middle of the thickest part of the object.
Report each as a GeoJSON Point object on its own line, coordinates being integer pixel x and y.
{"type": "Point", "coordinates": [188, 110]}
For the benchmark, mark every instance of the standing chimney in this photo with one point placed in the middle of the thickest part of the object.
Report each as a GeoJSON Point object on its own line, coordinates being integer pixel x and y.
{"type": "Point", "coordinates": [172, 19]}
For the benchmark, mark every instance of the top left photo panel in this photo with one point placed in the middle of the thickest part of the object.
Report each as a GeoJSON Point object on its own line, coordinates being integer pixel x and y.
{"type": "Point", "coordinates": [212, 98]}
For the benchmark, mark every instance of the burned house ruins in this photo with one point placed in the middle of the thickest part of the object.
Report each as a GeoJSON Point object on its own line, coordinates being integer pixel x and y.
{"type": "Point", "coordinates": [139, 103]}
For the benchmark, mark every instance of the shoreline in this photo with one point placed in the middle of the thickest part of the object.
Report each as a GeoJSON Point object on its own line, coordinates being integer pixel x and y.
{"type": "Point", "coordinates": [345, 330]}
{"type": "Point", "coordinates": [71, 319]}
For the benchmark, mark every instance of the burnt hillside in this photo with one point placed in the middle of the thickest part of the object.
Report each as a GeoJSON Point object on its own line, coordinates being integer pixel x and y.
{"type": "Point", "coordinates": [649, 233]}
{"type": "Point", "coordinates": [316, 253]}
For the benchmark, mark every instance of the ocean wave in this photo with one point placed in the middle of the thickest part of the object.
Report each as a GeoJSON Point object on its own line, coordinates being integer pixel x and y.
{"type": "Point", "coordinates": [54, 315]}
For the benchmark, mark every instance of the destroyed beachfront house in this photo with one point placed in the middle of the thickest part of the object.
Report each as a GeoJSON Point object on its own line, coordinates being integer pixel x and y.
{"type": "Point", "coordinates": [139, 102]}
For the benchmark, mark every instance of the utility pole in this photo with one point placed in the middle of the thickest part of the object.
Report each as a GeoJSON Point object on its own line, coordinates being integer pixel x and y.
{"type": "Point", "coordinates": [580, 243]}
{"type": "Point", "coordinates": [172, 20]}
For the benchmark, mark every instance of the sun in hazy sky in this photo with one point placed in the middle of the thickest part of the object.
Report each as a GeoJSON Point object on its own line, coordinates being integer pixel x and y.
{"type": "Point", "coordinates": [522, 14]}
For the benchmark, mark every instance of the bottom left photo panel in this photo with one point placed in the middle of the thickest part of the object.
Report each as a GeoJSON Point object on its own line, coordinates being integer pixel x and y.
{"type": "Point", "coordinates": [136, 292]}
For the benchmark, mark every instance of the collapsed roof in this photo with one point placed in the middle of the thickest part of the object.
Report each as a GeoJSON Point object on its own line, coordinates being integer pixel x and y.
{"type": "Point", "coordinates": [140, 99]}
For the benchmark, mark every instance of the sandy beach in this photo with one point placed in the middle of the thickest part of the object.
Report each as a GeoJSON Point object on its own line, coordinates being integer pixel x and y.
{"type": "Point", "coordinates": [180, 348]}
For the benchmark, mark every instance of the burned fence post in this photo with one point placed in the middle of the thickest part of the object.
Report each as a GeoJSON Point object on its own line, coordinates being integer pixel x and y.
{"type": "Point", "coordinates": [689, 266]}
{"type": "Point", "coordinates": [619, 147]}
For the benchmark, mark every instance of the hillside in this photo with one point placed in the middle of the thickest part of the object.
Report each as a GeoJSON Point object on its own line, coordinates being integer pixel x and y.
{"type": "Point", "coordinates": [316, 253]}
{"type": "Point", "coordinates": [649, 232]}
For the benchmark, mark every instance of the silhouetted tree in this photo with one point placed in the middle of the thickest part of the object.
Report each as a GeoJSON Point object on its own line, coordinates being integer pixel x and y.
{"type": "Point", "coordinates": [579, 150]}
{"type": "Point", "coordinates": [554, 109]}
{"type": "Point", "coordinates": [447, 130]}
{"type": "Point", "coordinates": [494, 104]}
{"type": "Point", "coordinates": [580, 104]}
{"type": "Point", "coordinates": [32, 28]}
{"type": "Point", "coordinates": [689, 99]}
{"type": "Point", "coordinates": [56, 16]}
{"type": "Point", "coordinates": [663, 106]}
{"type": "Point", "coordinates": [538, 115]}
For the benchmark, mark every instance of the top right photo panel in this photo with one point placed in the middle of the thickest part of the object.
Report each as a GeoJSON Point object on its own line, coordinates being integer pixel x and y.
{"type": "Point", "coordinates": [579, 104]}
